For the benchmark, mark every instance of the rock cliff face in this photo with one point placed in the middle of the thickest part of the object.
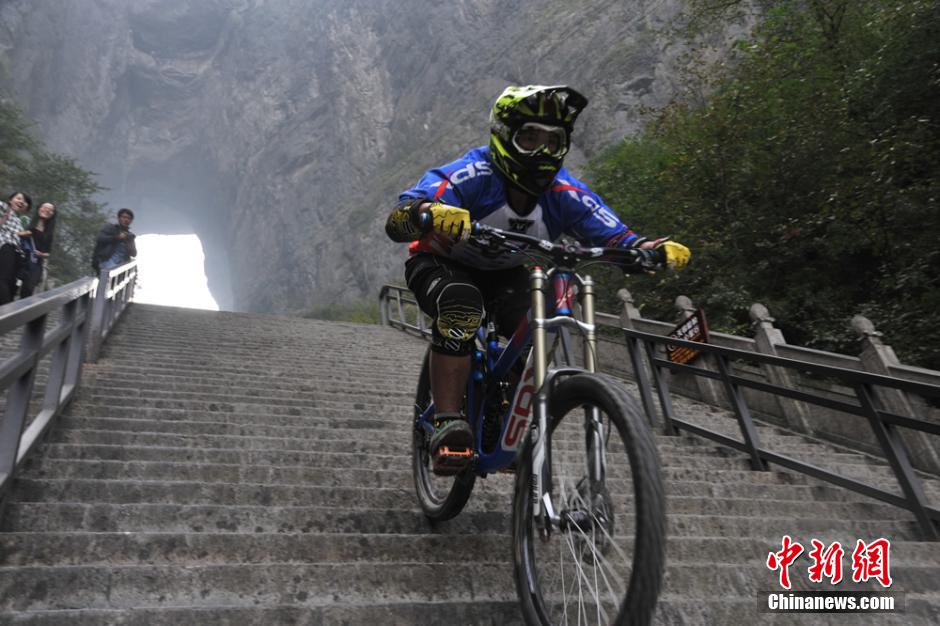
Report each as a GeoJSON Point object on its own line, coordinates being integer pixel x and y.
{"type": "Point", "coordinates": [280, 131]}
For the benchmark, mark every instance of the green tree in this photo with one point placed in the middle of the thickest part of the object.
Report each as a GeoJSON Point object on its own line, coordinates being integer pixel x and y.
{"type": "Point", "coordinates": [26, 165]}
{"type": "Point", "coordinates": [808, 178]}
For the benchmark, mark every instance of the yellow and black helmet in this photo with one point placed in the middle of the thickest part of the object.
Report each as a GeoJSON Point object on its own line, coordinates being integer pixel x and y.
{"type": "Point", "coordinates": [545, 116]}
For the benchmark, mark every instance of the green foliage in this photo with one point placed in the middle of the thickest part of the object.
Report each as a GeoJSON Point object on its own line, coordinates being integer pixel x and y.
{"type": "Point", "coordinates": [26, 165]}
{"type": "Point", "coordinates": [808, 180]}
{"type": "Point", "coordinates": [366, 312]}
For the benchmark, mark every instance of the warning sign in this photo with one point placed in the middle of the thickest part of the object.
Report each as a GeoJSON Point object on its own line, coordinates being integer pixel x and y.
{"type": "Point", "coordinates": [693, 328]}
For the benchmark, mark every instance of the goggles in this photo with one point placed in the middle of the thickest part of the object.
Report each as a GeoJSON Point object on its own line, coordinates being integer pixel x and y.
{"type": "Point", "coordinates": [532, 138]}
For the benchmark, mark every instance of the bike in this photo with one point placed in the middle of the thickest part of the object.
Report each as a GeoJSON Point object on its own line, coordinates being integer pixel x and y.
{"type": "Point", "coordinates": [588, 513]}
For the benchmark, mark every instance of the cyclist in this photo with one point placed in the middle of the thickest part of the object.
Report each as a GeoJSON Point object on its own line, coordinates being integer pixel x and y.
{"type": "Point", "coordinates": [516, 183]}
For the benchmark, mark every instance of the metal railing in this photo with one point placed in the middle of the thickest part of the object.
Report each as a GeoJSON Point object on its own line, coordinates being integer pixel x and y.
{"type": "Point", "coordinates": [70, 307]}
{"type": "Point", "coordinates": [884, 424]}
{"type": "Point", "coordinates": [396, 304]}
{"type": "Point", "coordinates": [71, 304]}
{"type": "Point", "coordinates": [115, 290]}
{"type": "Point", "coordinates": [647, 361]}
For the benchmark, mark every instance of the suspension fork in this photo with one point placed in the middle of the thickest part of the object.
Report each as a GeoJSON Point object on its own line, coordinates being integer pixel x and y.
{"type": "Point", "coordinates": [543, 507]}
{"type": "Point", "coordinates": [593, 425]}
{"type": "Point", "coordinates": [540, 478]}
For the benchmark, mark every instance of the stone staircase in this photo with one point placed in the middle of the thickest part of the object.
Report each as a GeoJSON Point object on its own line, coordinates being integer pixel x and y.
{"type": "Point", "coordinates": [239, 469]}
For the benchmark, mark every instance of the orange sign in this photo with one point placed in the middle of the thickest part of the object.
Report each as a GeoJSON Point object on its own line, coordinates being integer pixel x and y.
{"type": "Point", "coordinates": [693, 328]}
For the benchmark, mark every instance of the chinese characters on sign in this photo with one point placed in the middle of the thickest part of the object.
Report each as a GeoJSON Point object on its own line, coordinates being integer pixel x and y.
{"type": "Point", "coordinates": [870, 561]}
{"type": "Point", "coordinates": [693, 328]}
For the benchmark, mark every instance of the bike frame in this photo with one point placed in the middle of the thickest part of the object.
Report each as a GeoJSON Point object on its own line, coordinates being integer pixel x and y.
{"type": "Point", "coordinates": [528, 411]}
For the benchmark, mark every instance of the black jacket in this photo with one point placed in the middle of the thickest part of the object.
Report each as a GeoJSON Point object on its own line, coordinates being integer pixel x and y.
{"type": "Point", "coordinates": [107, 241]}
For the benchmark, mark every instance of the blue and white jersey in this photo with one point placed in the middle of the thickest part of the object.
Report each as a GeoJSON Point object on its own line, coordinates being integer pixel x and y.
{"type": "Point", "coordinates": [471, 182]}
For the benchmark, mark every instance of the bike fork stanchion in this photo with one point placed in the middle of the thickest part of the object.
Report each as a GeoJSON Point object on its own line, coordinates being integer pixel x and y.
{"type": "Point", "coordinates": [590, 340]}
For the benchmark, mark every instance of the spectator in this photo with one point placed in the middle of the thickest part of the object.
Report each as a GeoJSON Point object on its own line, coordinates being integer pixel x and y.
{"type": "Point", "coordinates": [115, 243]}
{"type": "Point", "coordinates": [11, 228]}
{"type": "Point", "coordinates": [37, 242]}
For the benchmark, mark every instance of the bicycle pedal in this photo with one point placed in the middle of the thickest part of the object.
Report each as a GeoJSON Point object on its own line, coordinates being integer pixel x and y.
{"type": "Point", "coordinates": [447, 461]}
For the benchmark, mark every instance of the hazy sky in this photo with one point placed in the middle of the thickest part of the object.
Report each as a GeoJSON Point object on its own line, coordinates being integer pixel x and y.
{"type": "Point", "coordinates": [171, 272]}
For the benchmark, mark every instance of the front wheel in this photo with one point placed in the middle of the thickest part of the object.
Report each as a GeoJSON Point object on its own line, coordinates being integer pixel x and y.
{"type": "Point", "coordinates": [440, 497]}
{"type": "Point", "coordinates": [604, 565]}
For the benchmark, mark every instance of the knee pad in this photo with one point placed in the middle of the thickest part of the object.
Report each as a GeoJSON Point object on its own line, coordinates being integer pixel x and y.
{"type": "Point", "coordinates": [459, 313]}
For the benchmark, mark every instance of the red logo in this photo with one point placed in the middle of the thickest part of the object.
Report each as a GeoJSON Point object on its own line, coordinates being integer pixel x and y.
{"type": "Point", "coordinates": [872, 561]}
{"type": "Point", "coordinates": [869, 561]}
{"type": "Point", "coordinates": [826, 563]}
{"type": "Point", "coordinates": [782, 560]}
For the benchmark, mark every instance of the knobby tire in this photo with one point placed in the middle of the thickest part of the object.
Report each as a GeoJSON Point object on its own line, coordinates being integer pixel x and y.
{"type": "Point", "coordinates": [577, 550]}
{"type": "Point", "coordinates": [440, 497]}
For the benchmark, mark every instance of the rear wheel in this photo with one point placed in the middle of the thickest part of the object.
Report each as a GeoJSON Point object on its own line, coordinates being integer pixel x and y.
{"type": "Point", "coordinates": [440, 497]}
{"type": "Point", "coordinates": [605, 565]}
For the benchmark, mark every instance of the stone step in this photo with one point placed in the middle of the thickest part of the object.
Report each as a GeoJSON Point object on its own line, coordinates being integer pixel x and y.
{"type": "Point", "coordinates": [77, 419]}
{"type": "Point", "coordinates": [113, 381]}
{"type": "Point", "coordinates": [378, 361]}
{"type": "Point", "coordinates": [341, 467]}
{"type": "Point", "coordinates": [672, 609]}
{"type": "Point", "coordinates": [363, 455]}
{"type": "Point", "coordinates": [405, 376]}
{"type": "Point", "coordinates": [393, 416]}
{"type": "Point", "coordinates": [398, 476]}
{"type": "Point", "coordinates": [482, 613]}
{"type": "Point", "coordinates": [352, 410]}
{"type": "Point", "coordinates": [366, 430]}
{"type": "Point", "coordinates": [222, 405]}
{"type": "Point", "coordinates": [400, 498]}
{"type": "Point", "coordinates": [186, 518]}
{"type": "Point", "coordinates": [266, 584]}
{"type": "Point", "coordinates": [335, 470]}
{"type": "Point", "coordinates": [195, 389]}
{"type": "Point", "coordinates": [97, 587]}
{"type": "Point", "coordinates": [364, 446]}
{"type": "Point", "coordinates": [206, 548]}
{"type": "Point", "coordinates": [235, 518]}
{"type": "Point", "coordinates": [72, 548]}
{"type": "Point", "coordinates": [775, 485]}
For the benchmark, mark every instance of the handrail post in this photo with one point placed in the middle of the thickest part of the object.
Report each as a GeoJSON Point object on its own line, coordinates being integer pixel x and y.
{"type": "Point", "coordinates": [98, 316]}
{"type": "Point", "coordinates": [59, 363]}
{"type": "Point", "coordinates": [110, 304]}
{"type": "Point", "coordinates": [766, 338]}
{"type": "Point", "coordinates": [14, 416]}
{"type": "Point", "coordinates": [745, 421]}
{"type": "Point", "coordinates": [628, 313]}
{"type": "Point", "coordinates": [878, 358]}
{"type": "Point", "coordinates": [19, 431]}
{"type": "Point", "coordinates": [383, 306]}
{"type": "Point", "coordinates": [895, 452]}
{"type": "Point", "coordinates": [80, 333]}
{"type": "Point", "coordinates": [662, 390]}
{"type": "Point", "coordinates": [401, 309]}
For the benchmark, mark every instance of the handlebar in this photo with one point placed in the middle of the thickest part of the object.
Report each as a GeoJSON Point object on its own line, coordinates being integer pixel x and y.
{"type": "Point", "coordinates": [568, 254]}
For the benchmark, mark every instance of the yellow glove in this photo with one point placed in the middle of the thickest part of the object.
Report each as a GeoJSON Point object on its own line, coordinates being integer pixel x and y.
{"type": "Point", "coordinates": [677, 255]}
{"type": "Point", "coordinates": [450, 220]}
